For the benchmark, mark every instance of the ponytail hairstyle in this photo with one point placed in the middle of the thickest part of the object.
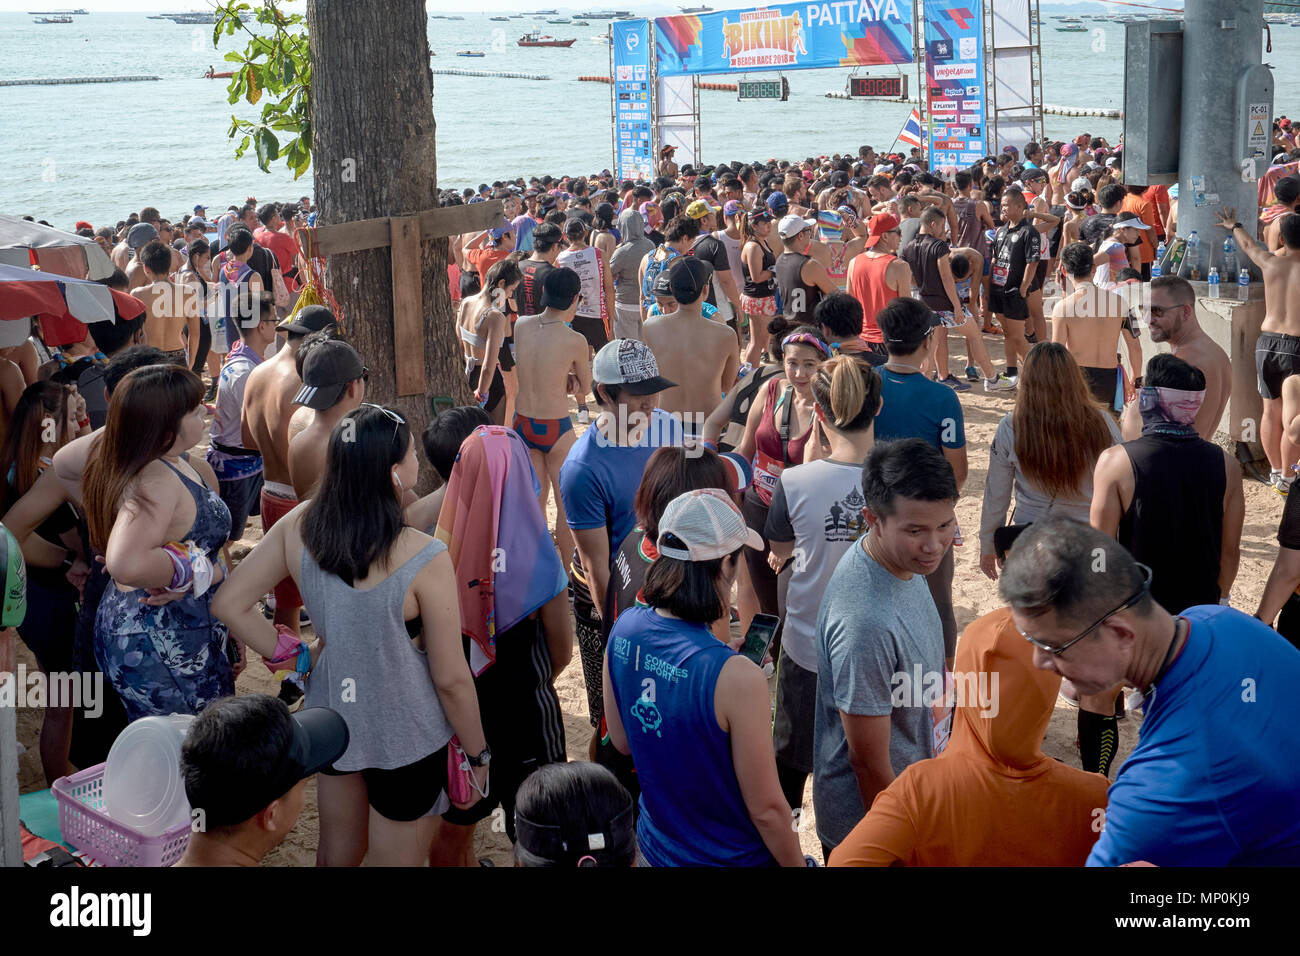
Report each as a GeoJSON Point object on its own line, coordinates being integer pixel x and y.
{"type": "Point", "coordinates": [746, 227]}
{"type": "Point", "coordinates": [847, 392]}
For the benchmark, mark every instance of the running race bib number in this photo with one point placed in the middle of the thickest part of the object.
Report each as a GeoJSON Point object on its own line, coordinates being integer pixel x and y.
{"type": "Point", "coordinates": [767, 471]}
{"type": "Point", "coordinates": [1000, 272]}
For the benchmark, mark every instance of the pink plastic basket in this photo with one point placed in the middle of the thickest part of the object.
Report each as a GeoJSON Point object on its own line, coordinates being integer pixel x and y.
{"type": "Point", "coordinates": [86, 826]}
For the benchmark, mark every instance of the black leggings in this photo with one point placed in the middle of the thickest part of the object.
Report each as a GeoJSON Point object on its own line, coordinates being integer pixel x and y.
{"type": "Point", "coordinates": [761, 575]}
{"type": "Point", "coordinates": [205, 343]}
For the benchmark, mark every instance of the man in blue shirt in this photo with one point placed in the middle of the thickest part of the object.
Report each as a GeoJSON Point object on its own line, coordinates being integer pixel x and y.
{"type": "Point", "coordinates": [915, 406]}
{"type": "Point", "coordinates": [599, 480]}
{"type": "Point", "coordinates": [1215, 777]}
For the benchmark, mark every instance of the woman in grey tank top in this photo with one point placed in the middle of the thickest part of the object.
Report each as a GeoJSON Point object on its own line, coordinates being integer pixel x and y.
{"type": "Point", "coordinates": [369, 583]}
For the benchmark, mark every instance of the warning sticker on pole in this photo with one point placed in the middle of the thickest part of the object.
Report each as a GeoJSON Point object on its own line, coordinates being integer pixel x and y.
{"type": "Point", "coordinates": [1258, 129]}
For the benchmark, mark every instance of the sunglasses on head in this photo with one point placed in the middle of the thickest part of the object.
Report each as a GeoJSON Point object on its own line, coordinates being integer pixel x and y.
{"type": "Point", "coordinates": [391, 415]}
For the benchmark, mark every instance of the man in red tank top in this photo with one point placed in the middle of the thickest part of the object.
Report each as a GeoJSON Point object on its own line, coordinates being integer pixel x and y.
{"type": "Point", "coordinates": [877, 276]}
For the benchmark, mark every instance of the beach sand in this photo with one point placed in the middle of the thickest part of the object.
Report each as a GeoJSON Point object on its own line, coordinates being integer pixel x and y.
{"type": "Point", "coordinates": [973, 595]}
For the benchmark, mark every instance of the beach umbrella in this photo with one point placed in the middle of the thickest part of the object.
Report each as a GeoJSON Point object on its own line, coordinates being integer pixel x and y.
{"type": "Point", "coordinates": [62, 305]}
{"type": "Point", "coordinates": [24, 243]}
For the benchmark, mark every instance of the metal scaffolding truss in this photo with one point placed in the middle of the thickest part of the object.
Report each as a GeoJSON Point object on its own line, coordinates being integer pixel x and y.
{"type": "Point", "coordinates": [1013, 70]}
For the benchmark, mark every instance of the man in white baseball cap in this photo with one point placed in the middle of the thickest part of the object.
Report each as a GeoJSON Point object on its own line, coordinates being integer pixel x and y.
{"type": "Point", "coordinates": [801, 279]}
{"type": "Point", "coordinates": [600, 478]}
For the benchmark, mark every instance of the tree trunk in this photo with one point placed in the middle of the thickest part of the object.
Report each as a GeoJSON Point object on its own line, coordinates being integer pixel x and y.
{"type": "Point", "coordinates": [373, 157]}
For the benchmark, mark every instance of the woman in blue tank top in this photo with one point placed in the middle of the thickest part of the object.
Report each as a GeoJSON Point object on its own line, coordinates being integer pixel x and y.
{"type": "Point", "coordinates": [695, 715]}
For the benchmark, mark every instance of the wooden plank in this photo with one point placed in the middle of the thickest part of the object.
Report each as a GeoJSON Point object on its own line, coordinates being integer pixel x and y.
{"type": "Point", "coordinates": [408, 318]}
{"type": "Point", "coordinates": [375, 233]}
{"type": "Point", "coordinates": [454, 220]}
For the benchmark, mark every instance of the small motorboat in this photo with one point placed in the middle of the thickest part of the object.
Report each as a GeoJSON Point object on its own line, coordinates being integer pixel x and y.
{"type": "Point", "coordinates": [535, 38]}
{"type": "Point", "coordinates": [470, 53]}
{"type": "Point", "coordinates": [217, 76]}
{"type": "Point", "coordinates": [500, 19]}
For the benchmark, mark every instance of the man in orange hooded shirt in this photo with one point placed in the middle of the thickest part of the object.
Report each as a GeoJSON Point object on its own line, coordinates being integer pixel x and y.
{"type": "Point", "coordinates": [992, 798]}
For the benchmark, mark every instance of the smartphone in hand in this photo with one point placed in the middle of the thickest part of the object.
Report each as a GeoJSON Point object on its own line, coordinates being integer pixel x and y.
{"type": "Point", "coordinates": [759, 637]}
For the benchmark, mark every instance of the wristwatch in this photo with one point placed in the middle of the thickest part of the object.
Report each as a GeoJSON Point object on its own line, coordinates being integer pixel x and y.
{"type": "Point", "coordinates": [482, 759]}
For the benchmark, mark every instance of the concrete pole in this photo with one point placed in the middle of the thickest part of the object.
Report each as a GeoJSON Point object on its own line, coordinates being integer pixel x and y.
{"type": "Point", "coordinates": [1222, 42]}
{"type": "Point", "coordinates": [10, 841]}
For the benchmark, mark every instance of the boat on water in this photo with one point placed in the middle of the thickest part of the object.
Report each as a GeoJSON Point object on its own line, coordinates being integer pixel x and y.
{"type": "Point", "coordinates": [217, 76]}
{"type": "Point", "coordinates": [470, 53]}
{"type": "Point", "coordinates": [560, 21]}
{"type": "Point", "coordinates": [535, 38]}
{"type": "Point", "coordinates": [605, 15]}
{"type": "Point", "coordinates": [198, 16]}
{"type": "Point", "coordinates": [499, 19]}
{"type": "Point", "coordinates": [1072, 28]}
{"type": "Point", "coordinates": [58, 13]}
{"type": "Point", "coordinates": [53, 20]}
{"type": "Point", "coordinates": [581, 23]}
{"type": "Point", "coordinates": [689, 10]}
{"type": "Point", "coordinates": [542, 13]}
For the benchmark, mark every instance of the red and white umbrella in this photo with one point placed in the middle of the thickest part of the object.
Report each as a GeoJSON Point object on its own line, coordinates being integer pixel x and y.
{"type": "Point", "coordinates": [62, 305]}
{"type": "Point", "coordinates": [25, 243]}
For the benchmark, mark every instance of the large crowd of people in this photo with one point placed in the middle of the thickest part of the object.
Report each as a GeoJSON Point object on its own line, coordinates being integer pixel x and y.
{"type": "Point", "coordinates": [702, 403]}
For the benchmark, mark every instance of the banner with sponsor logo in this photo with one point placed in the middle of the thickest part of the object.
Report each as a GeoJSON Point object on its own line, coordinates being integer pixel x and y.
{"type": "Point", "coordinates": [954, 73]}
{"type": "Point", "coordinates": [633, 150]}
{"type": "Point", "coordinates": [791, 36]}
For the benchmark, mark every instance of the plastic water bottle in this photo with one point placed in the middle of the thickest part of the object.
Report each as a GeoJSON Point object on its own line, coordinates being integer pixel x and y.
{"type": "Point", "coordinates": [1193, 259]}
{"type": "Point", "coordinates": [1214, 282]}
{"type": "Point", "coordinates": [1243, 285]}
{"type": "Point", "coordinates": [1229, 257]}
{"type": "Point", "coordinates": [1156, 270]}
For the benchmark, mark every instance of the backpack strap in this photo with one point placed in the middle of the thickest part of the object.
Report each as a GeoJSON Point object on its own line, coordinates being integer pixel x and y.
{"type": "Point", "coordinates": [783, 407]}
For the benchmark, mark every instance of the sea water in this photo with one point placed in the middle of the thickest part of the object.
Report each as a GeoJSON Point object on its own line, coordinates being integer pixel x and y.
{"type": "Point", "coordinates": [99, 151]}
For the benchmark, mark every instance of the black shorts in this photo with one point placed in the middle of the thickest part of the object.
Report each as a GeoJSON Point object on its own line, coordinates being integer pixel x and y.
{"type": "Point", "coordinates": [406, 793]}
{"type": "Point", "coordinates": [1102, 382]}
{"type": "Point", "coordinates": [796, 711]}
{"type": "Point", "coordinates": [1277, 357]}
{"type": "Point", "coordinates": [496, 391]}
{"type": "Point", "coordinates": [1006, 302]}
{"type": "Point", "coordinates": [521, 719]}
{"type": "Point", "coordinates": [1039, 276]}
{"type": "Point", "coordinates": [592, 329]}
{"type": "Point", "coordinates": [506, 354]}
{"type": "Point", "coordinates": [49, 628]}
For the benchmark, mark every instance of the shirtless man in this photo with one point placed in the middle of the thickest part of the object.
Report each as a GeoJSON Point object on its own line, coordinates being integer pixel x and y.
{"type": "Point", "coordinates": [137, 237]}
{"type": "Point", "coordinates": [1089, 322]}
{"type": "Point", "coordinates": [692, 349]}
{"type": "Point", "coordinates": [1173, 320]}
{"type": "Point", "coordinates": [1277, 352]}
{"type": "Point", "coordinates": [553, 364]}
{"type": "Point", "coordinates": [268, 407]}
{"type": "Point", "coordinates": [164, 303]}
{"type": "Point", "coordinates": [333, 384]}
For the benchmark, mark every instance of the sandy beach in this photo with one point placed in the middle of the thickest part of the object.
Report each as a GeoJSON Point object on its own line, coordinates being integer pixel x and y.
{"type": "Point", "coordinates": [973, 595]}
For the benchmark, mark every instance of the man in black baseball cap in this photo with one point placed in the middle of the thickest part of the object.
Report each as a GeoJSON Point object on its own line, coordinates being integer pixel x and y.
{"type": "Point", "coordinates": [328, 371]}
{"type": "Point", "coordinates": [699, 352]}
{"type": "Point", "coordinates": [245, 763]}
{"type": "Point", "coordinates": [312, 318]}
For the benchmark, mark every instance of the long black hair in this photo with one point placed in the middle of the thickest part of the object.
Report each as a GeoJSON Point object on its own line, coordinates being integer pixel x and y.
{"type": "Point", "coordinates": [356, 517]}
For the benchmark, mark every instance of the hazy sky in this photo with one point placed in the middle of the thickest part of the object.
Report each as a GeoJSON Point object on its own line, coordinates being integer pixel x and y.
{"type": "Point", "coordinates": [452, 6]}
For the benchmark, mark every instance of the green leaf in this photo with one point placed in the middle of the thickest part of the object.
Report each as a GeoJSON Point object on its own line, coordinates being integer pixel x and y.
{"type": "Point", "coordinates": [268, 148]}
{"type": "Point", "coordinates": [234, 56]}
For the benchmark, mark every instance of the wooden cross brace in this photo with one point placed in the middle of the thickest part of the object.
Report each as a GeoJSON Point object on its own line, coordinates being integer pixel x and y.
{"type": "Point", "coordinates": [403, 235]}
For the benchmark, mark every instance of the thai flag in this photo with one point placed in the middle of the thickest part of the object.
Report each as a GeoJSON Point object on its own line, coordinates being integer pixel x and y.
{"type": "Point", "coordinates": [911, 131]}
